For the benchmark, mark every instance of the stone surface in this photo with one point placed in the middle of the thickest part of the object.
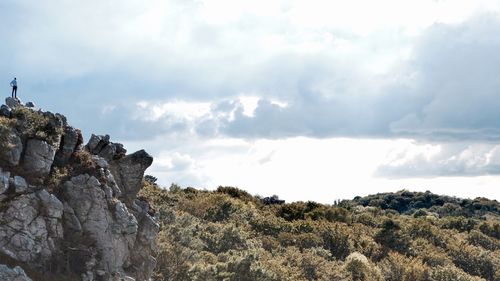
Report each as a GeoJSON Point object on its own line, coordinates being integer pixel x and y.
{"type": "Point", "coordinates": [30, 104]}
{"type": "Point", "coordinates": [103, 147]}
{"type": "Point", "coordinates": [129, 172]}
{"type": "Point", "coordinates": [38, 159]}
{"type": "Point", "coordinates": [30, 226]}
{"type": "Point", "coordinates": [112, 229]}
{"type": "Point", "coordinates": [14, 274]}
{"type": "Point", "coordinates": [12, 102]}
{"type": "Point", "coordinates": [20, 185]}
{"type": "Point", "coordinates": [4, 181]}
{"type": "Point", "coordinates": [5, 111]}
{"type": "Point", "coordinates": [71, 140]}
{"type": "Point", "coordinates": [10, 153]}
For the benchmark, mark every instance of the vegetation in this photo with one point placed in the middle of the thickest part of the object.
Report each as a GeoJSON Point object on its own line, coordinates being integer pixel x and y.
{"type": "Point", "coordinates": [229, 234]}
{"type": "Point", "coordinates": [6, 126]}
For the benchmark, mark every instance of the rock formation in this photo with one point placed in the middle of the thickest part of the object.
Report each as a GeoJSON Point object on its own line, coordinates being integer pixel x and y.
{"type": "Point", "coordinates": [70, 209]}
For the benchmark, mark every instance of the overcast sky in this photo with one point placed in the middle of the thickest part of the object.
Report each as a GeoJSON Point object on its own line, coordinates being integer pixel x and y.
{"type": "Point", "coordinates": [309, 100]}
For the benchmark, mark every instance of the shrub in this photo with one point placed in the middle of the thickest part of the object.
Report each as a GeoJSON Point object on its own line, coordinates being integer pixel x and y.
{"type": "Point", "coordinates": [396, 267]}
{"type": "Point", "coordinates": [451, 273]}
{"type": "Point", "coordinates": [56, 178]}
{"type": "Point", "coordinates": [6, 126]}
{"type": "Point", "coordinates": [490, 229]}
{"type": "Point", "coordinates": [477, 238]}
{"type": "Point", "coordinates": [391, 237]}
{"type": "Point", "coordinates": [358, 266]}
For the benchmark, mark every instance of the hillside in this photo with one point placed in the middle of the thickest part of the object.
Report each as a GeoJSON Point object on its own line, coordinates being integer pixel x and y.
{"type": "Point", "coordinates": [228, 234]}
{"type": "Point", "coordinates": [76, 211]}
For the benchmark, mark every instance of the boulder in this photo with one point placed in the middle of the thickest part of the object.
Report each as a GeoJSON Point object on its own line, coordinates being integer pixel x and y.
{"type": "Point", "coordinates": [38, 159]}
{"type": "Point", "coordinates": [14, 274]}
{"type": "Point", "coordinates": [30, 104]}
{"type": "Point", "coordinates": [12, 102]}
{"type": "Point", "coordinates": [5, 111]}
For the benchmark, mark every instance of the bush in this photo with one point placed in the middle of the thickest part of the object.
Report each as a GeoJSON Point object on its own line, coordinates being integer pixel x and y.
{"type": "Point", "coordinates": [396, 267]}
{"type": "Point", "coordinates": [391, 237]}
{"type": "Point", "coordinates": [358, 266]}
{"type": "Point", "coordinates": [451, 273]}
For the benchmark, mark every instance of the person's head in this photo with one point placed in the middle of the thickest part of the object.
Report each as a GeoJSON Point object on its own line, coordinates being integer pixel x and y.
{"type": "Point", "coordinates": [14, 78]}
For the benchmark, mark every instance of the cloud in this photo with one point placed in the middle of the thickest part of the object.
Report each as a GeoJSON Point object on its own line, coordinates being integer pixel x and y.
{"type": "Point", "coordinates": [451, 159]}
{"type": "Point", "coordinates": [448, 90]}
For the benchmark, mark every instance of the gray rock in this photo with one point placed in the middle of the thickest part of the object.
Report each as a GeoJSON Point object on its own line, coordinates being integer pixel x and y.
{"type": "Point", "coordinates": [70, 142]}
{"type": "Point", "coordinates": [5, 111]}
{"type": "Point", "coordinates": [10, 153]}
{"type": "Point", "coordinates": [88, 201]}
{"type": "Point", "coordinates": [100, 161]}
{"type": "Point", "coordinates": [100, 145]}
{"type": "Point", "coordinates": [71, 222]}
{"type": "Point", "coordinates": [126, 223]}
{"type": "Point", "coordinates": [14, 274]}
{"type": "Point", "coordinates": [19, 184]}
{"type": "Point", "coordinates": [30, 104]}
{"type": "Point", "coordinates": [4, 181]}
{"type": "Point", "coordinates": [27, 233]}
{"type": "Point", "coordinates": [12, 102]}
{"type": "Point", "coordinates": [129, 172]}
{"type": "Point", "coordinates": [38, 159]}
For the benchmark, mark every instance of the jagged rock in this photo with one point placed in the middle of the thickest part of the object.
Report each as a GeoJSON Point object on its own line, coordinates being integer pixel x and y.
{"type": "Point", "coordinates": [71, 139]}
{"type": "Point", "coordinates": [112, 230]}
{"type": "Point", "coordinates": [38, 159]}
{"type": "Point", "coordinates": [142, 258]}
{"type": "Point", "coordinates": [12, 102]}
{"type": "Point", "coordinates": [100, 161]}
{"type": "Point", "coordinates": [30, 104]}
{"type": "Point", "coordinates": [31, 223]}
{"type": "Point", "coordinates": [4, 181]}
{"type": "Point", "coordinates": [14, 274]}
{"type": "Point", "coordinates": [19, 184]}
{"type": "Point", "coordinates": [129, 172]}
{"type": "Point", "coordinates": [5, 111]}
{"type": "Point", "coordinates": [10, 152]}
{"type": "Point", "coordinates": [101, 146]}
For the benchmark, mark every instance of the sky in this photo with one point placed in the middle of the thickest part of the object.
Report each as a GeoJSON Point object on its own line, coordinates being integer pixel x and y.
{"type": "Point", "coordinates": [305, 99]}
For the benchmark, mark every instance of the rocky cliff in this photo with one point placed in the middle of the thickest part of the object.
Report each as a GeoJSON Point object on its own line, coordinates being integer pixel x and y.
{"type": "Point", "coordinates": [69, 210]}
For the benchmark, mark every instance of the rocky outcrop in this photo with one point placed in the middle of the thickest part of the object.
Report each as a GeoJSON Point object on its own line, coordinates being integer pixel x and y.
{"type": "Point", "coordinates": [71, 141]}
{"type": "Point", "coordinates": [100, 145]}
{"type": "Point", "coordinates": [68, 208]}
{"type": "Point", "coordinates": [129, 172]}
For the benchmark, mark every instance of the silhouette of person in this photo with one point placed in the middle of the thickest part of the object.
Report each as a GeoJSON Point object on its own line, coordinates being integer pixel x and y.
{"type": "Point", "coordinates": [13, 84]}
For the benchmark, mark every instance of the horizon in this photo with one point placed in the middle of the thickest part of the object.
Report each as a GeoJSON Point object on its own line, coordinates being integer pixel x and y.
{"type": "Point", "coordinates": [307, 100]}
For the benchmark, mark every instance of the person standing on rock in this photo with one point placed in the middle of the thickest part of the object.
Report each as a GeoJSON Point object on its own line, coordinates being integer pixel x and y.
{"type": "Point", "coordinates": [13, 84]}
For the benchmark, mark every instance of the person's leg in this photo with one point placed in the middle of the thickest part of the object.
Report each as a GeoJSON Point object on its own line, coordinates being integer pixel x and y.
{"type": "Point", "coordinates": [15, 93]}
